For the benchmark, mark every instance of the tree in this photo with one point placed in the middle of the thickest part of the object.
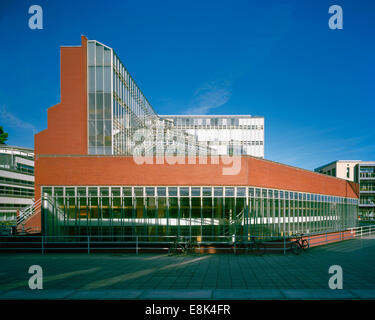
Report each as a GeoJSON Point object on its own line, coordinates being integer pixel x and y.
{"type": "Point", "coordinates": [3, 136]}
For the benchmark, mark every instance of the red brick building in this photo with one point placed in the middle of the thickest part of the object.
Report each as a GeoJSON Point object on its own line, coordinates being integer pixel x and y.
{"type": "Point", "coordinates": [108, 193]}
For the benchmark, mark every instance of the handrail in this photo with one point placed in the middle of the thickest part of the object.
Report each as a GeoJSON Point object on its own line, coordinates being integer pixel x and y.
{"type": "Point", "coordinates": [29, 211]}
{"type": "Point", "coordinates": [137, 243]}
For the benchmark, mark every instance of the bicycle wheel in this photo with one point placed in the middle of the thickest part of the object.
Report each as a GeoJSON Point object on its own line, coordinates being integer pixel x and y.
{"type": "Point", "coordinates": [305, 245]}
{"type": "Point", "coordinates": [296, 248]}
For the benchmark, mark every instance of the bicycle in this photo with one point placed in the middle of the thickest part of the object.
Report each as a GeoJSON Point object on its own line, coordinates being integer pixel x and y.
{"type": "Point", "coordinates": [189, 247]}
{"type": "Point", "coordinates": [299, 244]}
{"type": "Point", "coordinates": [176, 248]}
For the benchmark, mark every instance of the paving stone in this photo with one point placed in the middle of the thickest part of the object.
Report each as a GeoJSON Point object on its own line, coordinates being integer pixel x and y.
{"type": "Point", "coordinates": [35, 294]}
{"type": "Point", "coordinates": [105, 294]}
{"type": "Point", "coordinates": [247, 294]}
{"type": "Point", "coordinates": [185, 294]}
{"type": "Point", "coordinates": [318, 294]}
{"type": "Point", "coordinates": [364, 293]}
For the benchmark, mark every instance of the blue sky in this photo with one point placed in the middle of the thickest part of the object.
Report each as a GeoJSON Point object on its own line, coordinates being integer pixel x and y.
{"type": "Point", "coordinates": [278, 59]}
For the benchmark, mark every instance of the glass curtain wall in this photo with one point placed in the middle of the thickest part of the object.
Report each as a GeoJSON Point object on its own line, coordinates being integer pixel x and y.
{"type": "Point", "coordinates": [205, 213]}
{"type": "Point", "coordinates": [116, 106]}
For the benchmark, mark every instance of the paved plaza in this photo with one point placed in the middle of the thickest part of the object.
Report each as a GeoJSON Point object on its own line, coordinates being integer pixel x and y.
{"type": "Point", "coordinates": [199, 276]}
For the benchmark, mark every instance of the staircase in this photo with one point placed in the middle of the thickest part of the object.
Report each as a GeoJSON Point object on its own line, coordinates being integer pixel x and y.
{"type": "Point", "coordinates": [26, 214]}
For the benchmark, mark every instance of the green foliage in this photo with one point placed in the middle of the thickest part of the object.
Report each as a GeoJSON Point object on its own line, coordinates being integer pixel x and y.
{"type": "Point", "coordinates": [3, 136]}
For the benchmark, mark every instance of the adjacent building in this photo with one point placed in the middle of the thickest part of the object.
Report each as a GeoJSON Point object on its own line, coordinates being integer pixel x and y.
{"type": "Point", "coordinates": [361, 172]}
{"type": "Point", "coordinates": [16, 182]}
{"type": "Point", "coordinates": [226, 134]}
{"type": "Point", "coordinates": [344, 169]}
{"type": "Point", "coordinates": [90, 183]}
{"type": "Point", "coordinates": [365, 176]}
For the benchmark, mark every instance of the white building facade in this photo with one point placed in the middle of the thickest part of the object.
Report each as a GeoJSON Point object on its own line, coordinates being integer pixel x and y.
{"type": "Point", "coordinates": [226, 134]}
{"type": "Point", "coordinates": [16, 182]}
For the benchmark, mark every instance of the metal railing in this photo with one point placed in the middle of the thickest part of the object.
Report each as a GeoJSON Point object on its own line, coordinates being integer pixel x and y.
{"type": "Point", "coordinates": [363, 230]}
{"type": "Point", "coordinates": [143, 243]}
{"type": "Point", "coordinates": [29, 211]}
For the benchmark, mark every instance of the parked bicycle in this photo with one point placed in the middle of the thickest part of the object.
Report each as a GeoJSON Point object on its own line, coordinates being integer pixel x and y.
{"type": "Point", "coordinates": [189, 246]}
{"type": "Point", "coordinates": [244, 246]}
{"type": "Point", "coordinates": [175, 247]}
{"type": "Point", "coordinates": [300, 244]}
{"type": "Point", "coordinates": [184, 247]}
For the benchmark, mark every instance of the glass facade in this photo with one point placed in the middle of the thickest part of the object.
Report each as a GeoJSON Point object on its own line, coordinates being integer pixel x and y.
{"type": "Point", "coordinates": [117, 108]}
{"type": "Point", "coordinates": [208, 213]}
{"type": "Point", "coordinates": [100, 94]}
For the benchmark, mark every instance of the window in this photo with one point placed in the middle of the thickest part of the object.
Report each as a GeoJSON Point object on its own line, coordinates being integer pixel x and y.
{"type": "Point", "coordinates": [161, 191]}
{"type": "Point", "coordinates": [150, 191]}
{"type": "Point", "coordinates": [229, 192]}
{"type": "Point", "coordinates": [184, 192]}
{"type": "Point", "coordinates": [218, 192]}
{"type": "Point", "coordinates": [206, 192]}
{"type": "Point", "coordinates": [172, 191]}
{"type": "Point", "coordinates": [241, 192]}
{"type": "Point", "coordinates": [195, 192]}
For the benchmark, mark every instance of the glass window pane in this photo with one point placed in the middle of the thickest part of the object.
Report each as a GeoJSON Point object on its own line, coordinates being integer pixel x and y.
{"type": "Point", "coordinates": [184, 192]}
{"type": "Point", "coordinates": [150, 191]}
{"type": "Point", "coordinates": [161, 191]}
{"type": "Point", "coordinates": [241, 192]}
{"type": "Point", "coordinates": [115, 191]}
{"type": "Point", "coordinates": [107, 106]}
{"type": "Point", "coordinates": [99, 106]}
{"type": "Point", "coordinates": [251, 192]}
{"type": "Point", "coordinates": [229, 191]}
{"type": "Point", "coordinates": [207, 192]}
{"type": "Point", "coordinates": [107, 134]}
{"type": "Point", "coordinates": [99, 79]}
{"type": "Point", "coordinates": [195, 192]}
{"type": "Point", "coordinates": [172, 191]}
{"type": "Point", "coordinates": [138, 192]}
{"type": "Point", "coordinates": [127, 191]}
{"type": "Point", "coordinates": [107, 57]}
{"type": "Point", "coordinates": [107, 79]}
{"type": "Point", "coordinates": [81, 192]}
{"type": "Point", "coordinates": [91, 53]}
{"type": "Point", "coordinates": [91, 105]}
{"type": "Point", "coordinates": [93, 191]}
{"type": "Point", "coordinates": [104, 192]}
{"type": "Point", "coordinates": [91, 77]}
{"type": "Point", "coordinates": [99, 54]}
